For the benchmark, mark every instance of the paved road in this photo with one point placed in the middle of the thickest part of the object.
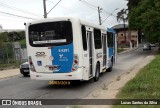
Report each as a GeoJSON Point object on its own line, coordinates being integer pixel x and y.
{"type": "Point", "coordinates": [20, 87]}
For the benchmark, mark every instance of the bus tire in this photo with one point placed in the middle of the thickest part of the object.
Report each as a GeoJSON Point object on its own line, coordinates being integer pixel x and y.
{"type": "Point", "coordinates": [110, 68]}
{"type": "Point", "coordinates": [96, 78]}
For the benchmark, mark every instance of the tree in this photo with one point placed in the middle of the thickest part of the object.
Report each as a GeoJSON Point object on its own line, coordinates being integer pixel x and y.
{"type": "Point", "coordinates": [3, 36]}
{"type": "Point", "coordinates": [12, 36]}
{"type": "Point", "coordinates": [146, 17]}
{"type": "Point", "coordinates": [122, 16]}
{"type": "Point", "coordinates": [133, 4]}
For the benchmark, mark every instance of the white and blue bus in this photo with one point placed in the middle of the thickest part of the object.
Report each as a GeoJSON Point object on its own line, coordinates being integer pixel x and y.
{"type": "Point", "coordinates": [67, 48]}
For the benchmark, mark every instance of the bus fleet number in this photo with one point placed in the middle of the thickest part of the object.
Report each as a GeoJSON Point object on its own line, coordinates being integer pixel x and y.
{"type": "Point", "coordinates": [63, 50]}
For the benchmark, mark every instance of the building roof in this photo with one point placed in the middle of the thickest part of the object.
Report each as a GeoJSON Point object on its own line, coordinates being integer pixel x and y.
{"type": "Point", "coordinates": [111, 30]}
{"type": "Point", "coordinates": [119, 26]}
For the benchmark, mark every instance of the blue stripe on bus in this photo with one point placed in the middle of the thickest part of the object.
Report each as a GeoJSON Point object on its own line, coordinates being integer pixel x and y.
{"type": "Point", "coordinates": [63, 58]}
{"type": "Point", "coordinates": [111, 52]}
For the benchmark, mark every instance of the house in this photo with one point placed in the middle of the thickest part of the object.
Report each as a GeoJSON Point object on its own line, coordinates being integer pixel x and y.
{"type": "Point", "coordinates": [127, 37]}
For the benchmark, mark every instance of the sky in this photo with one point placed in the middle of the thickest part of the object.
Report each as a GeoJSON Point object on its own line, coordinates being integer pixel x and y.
{"type": "Point", "coordinates": [83, 9]}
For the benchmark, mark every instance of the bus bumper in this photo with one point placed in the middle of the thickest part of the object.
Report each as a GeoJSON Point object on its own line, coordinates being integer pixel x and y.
{"type": "Point", "coordinates": [76, 75]}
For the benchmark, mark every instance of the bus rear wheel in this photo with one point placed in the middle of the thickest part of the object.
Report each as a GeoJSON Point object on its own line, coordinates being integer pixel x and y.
{"type": "Point", "coordinates": [97, 73]}
{"type": "Point", "coordinates": [110, 68]}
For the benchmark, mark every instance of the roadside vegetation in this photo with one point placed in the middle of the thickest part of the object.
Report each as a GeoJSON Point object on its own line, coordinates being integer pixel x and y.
{"type": "Point", "coordinates": [6, 48]}
{"type": "Point", "coordinates": [9, 66]}
{"type": "Point", "coordinates": [122, 48]}
{"type": "Point", "coordinates": [144, 86]}
{"type": "Point", "coordinates": [119, 50]}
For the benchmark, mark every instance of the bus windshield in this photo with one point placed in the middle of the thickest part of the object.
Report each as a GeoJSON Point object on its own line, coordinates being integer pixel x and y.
{"type": "Point", "coordinates": [50, 34]}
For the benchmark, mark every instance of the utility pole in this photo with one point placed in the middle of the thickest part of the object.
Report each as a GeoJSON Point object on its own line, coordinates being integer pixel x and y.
{"type": "Point", "coordinates": [45, 11]}
{"type": "Point", "coordinates": [124, 30]}
{"type": "Point", "coordinates": [99, 13]}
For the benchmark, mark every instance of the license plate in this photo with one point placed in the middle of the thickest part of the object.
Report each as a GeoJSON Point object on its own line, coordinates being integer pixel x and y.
{"type": "Point", "coordinates": [54, 68]}
{"type": "Point", "coordinates": [26, 70]}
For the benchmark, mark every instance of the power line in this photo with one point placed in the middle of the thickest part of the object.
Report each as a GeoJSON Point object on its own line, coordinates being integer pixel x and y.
{"type": "Point", "coordinates": [111, 22]}
{"type": "Point", "coordinates": [54, 6]}
{"type": "Point", "coordinates": [70, 8]}
{"type": "Point", "coordinates": [61, 6]}
{"type": "Point", "coordinates": [17, 15]}
{"type": "Point", "coordinates": [106, 12]}
{"type": "Point", "coordinates": [54, 3]}
{"type": "Point", "coordinates": [110, 15]}
{"type": "Point", "coordinates": [89, 5]}
{"type": "Point", "coordinates": [18, 9]}
{"type": "Point", "coordinates": [99, 10]}
{"type": "Point", "coordinates": [45, 10]}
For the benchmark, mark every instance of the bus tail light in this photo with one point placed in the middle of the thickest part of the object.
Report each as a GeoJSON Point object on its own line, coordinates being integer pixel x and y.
{"type": "Point", "coordinates": [31, 64]}
{"type": "Point", "coordinates": [75, 63]}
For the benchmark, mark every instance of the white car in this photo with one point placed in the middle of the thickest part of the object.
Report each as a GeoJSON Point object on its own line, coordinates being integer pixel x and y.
{"type": "Point", "coordinates": [146, 47]}
{"type": "Point", "coordinates": [153, 45]}
{"type": "Point", "coordinates": [24, 68]}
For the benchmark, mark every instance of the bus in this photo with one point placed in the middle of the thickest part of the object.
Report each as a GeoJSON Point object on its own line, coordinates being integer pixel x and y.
{"type": "Point", "coordinates": [68, 48]}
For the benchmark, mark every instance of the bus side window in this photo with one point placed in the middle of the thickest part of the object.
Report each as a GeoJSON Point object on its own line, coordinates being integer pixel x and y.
{"type": "Point", "coordinates": [97, 39]}
{"type": "Point", "coordinates": [83, 29]}
{"type": "Point", "coordinates": [110, 39]}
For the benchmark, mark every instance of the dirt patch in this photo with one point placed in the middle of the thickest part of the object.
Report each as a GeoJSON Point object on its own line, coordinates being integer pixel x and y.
{"type": "Point", "coordinates": [9, 73]}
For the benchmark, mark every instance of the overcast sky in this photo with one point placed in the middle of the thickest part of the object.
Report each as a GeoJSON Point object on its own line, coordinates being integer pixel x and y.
{"type": "Point", "coordinates": [84, 9]}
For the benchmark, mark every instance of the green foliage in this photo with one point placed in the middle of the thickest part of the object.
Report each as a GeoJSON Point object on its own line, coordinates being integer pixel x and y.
{"type": "Point", "coordinates": [9, 49]}
{"type": "Point", "coordinates": [3, 36]}
{"type": "Point", "coordinates": [144, 86]}
{"type": "Point", "coordinates": [146, 16]}
{"type": "Point", "coordinates": [121, 15]}
{"type": "Point", "coordinates": [6, 45]}
{"type": "Point", "coordinates": [132, 4]}
{"type": "Point", "coordinates": [124, 12]}
{"type": "Point", "coordinates": [23, 43]}
{"type": "Point", "coordinates": [12, 36]}
{"type": "Point", "coordinates": [9, 66]}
